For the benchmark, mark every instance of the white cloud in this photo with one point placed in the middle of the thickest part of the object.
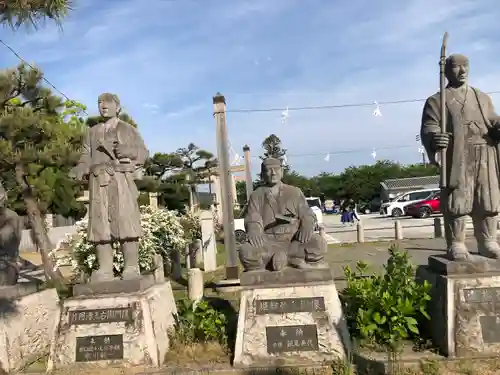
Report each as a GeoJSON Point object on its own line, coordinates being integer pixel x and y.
{"type": "Point", "coordinates": [168, 62]}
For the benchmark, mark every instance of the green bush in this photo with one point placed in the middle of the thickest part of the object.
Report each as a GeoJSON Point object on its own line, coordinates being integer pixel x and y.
{"type": "Point", "coordinates": [199, 323]}
{"type": "Point", "coordinates": [384, 309]}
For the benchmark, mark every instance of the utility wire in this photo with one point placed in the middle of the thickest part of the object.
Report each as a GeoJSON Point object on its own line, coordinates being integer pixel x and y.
{"type": "Point", "coordinates": [333, 106]}
{"type": "Point", "coordinates": [32, 67]}
{"type": "Point", "coordinates": [351, 151]}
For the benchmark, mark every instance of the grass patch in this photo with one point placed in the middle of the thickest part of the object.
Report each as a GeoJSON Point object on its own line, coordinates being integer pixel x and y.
{"type": "Point", "coordinates": [208, 353]}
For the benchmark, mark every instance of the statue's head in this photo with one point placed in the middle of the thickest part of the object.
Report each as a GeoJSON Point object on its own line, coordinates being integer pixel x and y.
{"type": "Point", "coordinates": [271, 171]}
{"type": "Point", "coordinates": [457, 69]}
{"type": "Point", "coordinates": [109, 105]}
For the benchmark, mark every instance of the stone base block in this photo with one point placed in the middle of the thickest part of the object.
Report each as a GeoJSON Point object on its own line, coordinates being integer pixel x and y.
{"type": "Point", "coordinates": [291, 325]}
{"type": "Point", "coordinates": [465, 306]}
{"type": "Point", "coordinates": [114, 329]}
{"type": "Point", "coordinates": [26, 325]}
{"type": "Point", "coordinates": [115, 286]}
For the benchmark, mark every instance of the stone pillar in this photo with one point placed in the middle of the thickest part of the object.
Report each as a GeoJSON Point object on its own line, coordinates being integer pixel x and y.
{"type": "Point", "coordinates": [209, 247]}
{"type": "Point", "coordinates": [153, 200]}
{"type": "Point", "coordinates": [248, 171]}
{"type": "Point", "coordinates": [438, 229]}
{"type": "Point", "coordinates": [398, 230]}
{"type": "Point", "coordinates": [360, 232]}
{"type": "Point", "coordinates": [176, 271]}
{"type": "Point", "coordinates": [225, 178]}
{"type": "Point", "coordinates": [218, 200]}
{"type": "Point", "coordinates": [195, 284]}
{"type": "Point", "coordinates": [159, 272]}
{"type": "Point", "coordinates": [198, 252]}
{"type": "Point", "coordinates": [234, 193]}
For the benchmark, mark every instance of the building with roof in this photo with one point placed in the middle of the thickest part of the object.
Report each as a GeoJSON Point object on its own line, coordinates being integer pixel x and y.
{"type": "Point", "coordinates": [393, 187]}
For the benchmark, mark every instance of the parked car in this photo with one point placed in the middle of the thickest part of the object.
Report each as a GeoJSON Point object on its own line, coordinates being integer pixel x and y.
{"type": "Point", "coordinates": [315, 204]}
{"type": "Point", "coordinates": [239, 227]}
{"type": "Point", "coordinates": [425, 208]}
{"type": "Point", "coordinates": [397, 206]}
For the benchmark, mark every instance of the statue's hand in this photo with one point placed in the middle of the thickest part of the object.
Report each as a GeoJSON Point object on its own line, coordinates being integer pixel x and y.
{"type": "Point", "coordinates": [256, 240]}
{"type": "Point", "coordinates": [440, 141]}
{"type": "Point", "coordinates": [304, 235]}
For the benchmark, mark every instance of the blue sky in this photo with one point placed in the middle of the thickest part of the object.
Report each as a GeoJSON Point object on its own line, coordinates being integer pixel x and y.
{"type": "Point", "coordinates": [166, 62]}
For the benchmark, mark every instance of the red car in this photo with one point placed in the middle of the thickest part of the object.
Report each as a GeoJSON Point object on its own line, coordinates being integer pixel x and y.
{"type": "Point", "coordinates": [424, 208]}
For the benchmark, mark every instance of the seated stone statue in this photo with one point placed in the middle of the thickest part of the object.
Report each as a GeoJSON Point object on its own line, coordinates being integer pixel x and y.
{"type": "Point", "coordinates": [11, 230]}
{"type": "Point", "coordinates": [280, 226]}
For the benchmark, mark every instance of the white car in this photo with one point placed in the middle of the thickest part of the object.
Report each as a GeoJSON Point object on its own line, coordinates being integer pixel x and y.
{"type": "Point", "coordinates": [396, 207]}
{"type": "Point", "coordinates": [313, 202]}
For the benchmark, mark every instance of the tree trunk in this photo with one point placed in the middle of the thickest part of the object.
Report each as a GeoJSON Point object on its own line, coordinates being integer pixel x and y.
{"type": "Point", "coordinates": [39, 234]}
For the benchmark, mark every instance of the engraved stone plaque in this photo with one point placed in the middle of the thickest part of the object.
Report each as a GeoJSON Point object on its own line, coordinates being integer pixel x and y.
{"type": "Point", "coordinates": [113, 315]}
{"type": "Point", "coordinates": [490, 329]}
{"type": "Point", "coordinates": [289, 305]}
{"type": "Point", "coordinates": [300, 338]}
{"type": "Point", "coordinates": [482, 295]}
{"type": "Point", "coordinates": [99, 348]}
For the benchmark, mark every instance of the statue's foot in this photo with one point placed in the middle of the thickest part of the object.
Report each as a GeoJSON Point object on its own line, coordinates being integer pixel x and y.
{"type": "Point", "coordinates": [100, 276]}
{"type": "Point", "coordinates": [280, 261]}
{"type": "Point", "coordinates": [303, 264]}
{"type": "Point", "coordinates": [490, 249]}
{"type": "Point", "coordinates": [250, 270]}
{"type": "Point", "coordinates": [131, 273]}
{"type": "Point", "coordinates": [458, 251]}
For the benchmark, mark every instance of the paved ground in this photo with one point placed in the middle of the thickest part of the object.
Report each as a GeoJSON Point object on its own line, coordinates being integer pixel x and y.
{"type": "Point", "coordinates": [378, 227]}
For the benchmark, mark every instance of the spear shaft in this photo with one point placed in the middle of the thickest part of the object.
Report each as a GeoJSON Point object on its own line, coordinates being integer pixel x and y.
{"type": "Point", "coordinates": [442, 94]}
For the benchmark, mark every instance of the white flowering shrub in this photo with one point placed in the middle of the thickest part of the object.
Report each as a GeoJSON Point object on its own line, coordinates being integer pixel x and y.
{"type": "Point", "coordinates": [162, 234]}
{"type": "Point", "coordinates": [191, 223]}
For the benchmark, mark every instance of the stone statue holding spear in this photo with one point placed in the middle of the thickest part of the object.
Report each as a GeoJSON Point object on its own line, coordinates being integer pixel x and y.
{"type": "Point", "coordinates": [460, 125]}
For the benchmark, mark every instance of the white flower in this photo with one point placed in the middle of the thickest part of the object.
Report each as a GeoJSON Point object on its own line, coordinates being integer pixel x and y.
{"type": "Point", "coordinates": [163, 232]}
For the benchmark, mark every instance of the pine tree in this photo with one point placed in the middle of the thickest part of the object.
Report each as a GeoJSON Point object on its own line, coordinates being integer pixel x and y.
{"type": "Point", "coordinates": [197, 163]}
{"type": "Point", "coordinates": [32, 13]}
{"type": "Point", "coordinates": [39, 133]}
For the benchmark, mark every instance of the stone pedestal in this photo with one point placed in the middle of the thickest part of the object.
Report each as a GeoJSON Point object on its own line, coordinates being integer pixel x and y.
{"type": "Point", "coordinates": [26, 322]}
{"type": "Point", "coordinates": [114, 326]}
{"type": "Point", "coordinates": [465, 306]}
{"type": "Point", "coordinates": [290, 318]}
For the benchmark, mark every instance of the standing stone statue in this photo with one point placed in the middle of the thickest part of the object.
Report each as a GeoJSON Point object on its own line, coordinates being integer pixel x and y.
{"type": "Point", "coordinates": [11, 231]}
{"type": "Point", "coordinates": [112, 156]}
{"type": "Point", "coordinates": [472, 154]}
{"type": "Point", "coordinates": [280, 226]}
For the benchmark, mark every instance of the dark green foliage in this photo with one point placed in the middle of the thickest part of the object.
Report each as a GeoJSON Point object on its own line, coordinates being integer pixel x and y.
{"type": "Point", "coordinates": [384, 309]}
{"type": "Point", "coordinates": [43, 134]}
{"type": "Point", "coordinates": [200, 323]}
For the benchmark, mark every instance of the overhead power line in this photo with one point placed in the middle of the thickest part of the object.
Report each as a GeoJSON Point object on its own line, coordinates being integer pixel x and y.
{"type": "Point", "coordinates": [334, 106]}
{"type": "Point", "coordinates": [32, 67]}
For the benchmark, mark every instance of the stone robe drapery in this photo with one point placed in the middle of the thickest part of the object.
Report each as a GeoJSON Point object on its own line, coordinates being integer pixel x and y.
{"type": "Point", "coordinates": [471, 157]}
{"type": "Point", "coordinates": [113, 208]}
{"type": "Point", "coordinates": [265, 213]}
